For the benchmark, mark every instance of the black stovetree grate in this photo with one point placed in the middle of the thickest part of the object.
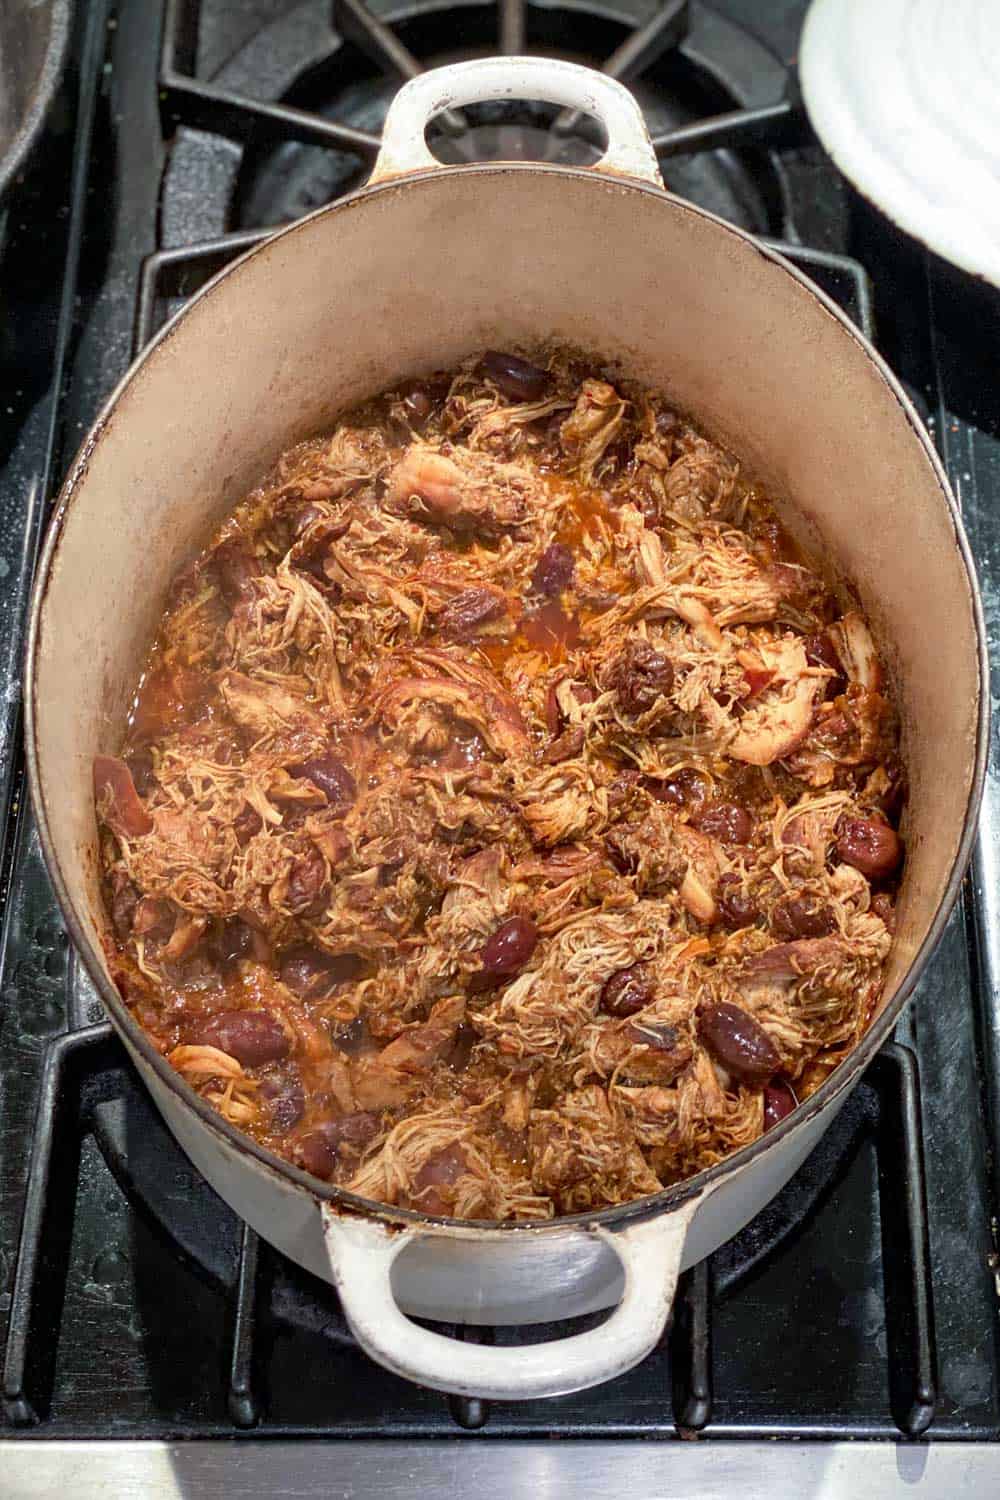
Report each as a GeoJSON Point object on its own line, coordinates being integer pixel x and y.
{"type": "Point", "coordinates": [84, 1069]}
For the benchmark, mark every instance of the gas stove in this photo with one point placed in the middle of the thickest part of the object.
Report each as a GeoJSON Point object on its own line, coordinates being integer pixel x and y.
{"type": "Point", "coordinates": [145, 1328]}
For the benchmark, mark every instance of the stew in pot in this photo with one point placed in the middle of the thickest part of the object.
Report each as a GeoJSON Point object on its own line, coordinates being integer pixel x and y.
{"type": "Point", "coordinates": [505, 823]}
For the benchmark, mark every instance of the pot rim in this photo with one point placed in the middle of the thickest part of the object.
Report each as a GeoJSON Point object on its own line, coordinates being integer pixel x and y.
{"type": "Point", "coordinates": [841, 1078]}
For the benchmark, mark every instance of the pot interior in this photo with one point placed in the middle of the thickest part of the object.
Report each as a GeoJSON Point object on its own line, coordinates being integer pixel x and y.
{"type": "Point", "coordinates": [417, 274]}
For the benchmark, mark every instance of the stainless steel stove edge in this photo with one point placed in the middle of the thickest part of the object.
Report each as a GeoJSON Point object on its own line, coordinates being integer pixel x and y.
{"type": "Point", "coordinates": [243, 1469]}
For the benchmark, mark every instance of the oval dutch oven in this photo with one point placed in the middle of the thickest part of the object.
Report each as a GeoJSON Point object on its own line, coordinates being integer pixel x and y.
{"type": "Point", "coordinates": [423, 266]}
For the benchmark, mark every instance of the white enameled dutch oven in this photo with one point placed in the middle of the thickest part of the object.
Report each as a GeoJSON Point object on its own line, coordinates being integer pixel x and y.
{"type": "Point", "coordinates": [420, 268]}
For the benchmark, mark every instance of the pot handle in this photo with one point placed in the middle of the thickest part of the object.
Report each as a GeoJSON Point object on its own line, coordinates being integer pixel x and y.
{"type": "Point", "coordinates": [629, 154]}
{"type": "Point", "coordinates": [361, 1254]}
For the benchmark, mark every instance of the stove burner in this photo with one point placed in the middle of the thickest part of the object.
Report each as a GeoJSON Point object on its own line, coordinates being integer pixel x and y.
{"type": "Point", "coordinates": [686, 65]}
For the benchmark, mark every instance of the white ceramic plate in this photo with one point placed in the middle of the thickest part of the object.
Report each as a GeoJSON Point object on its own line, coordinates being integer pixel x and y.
{"type": "Point", "coordinates": [905, 96]}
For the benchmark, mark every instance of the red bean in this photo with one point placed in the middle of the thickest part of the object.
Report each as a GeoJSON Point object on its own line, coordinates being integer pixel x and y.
{"type": "Point", "coordinates": [506, 951]}
{"type": "Point", "coordinates": [471, 611]}
{"type": "Point", "coordinates": [726, 821]}
{"type": "Point", "coordinates": [738, 1042]}
{"type": "Point", "coordinates": [418, 406]}
{"type": "Point", "coordinates": [553, 571]}
{"type": "Point", "coordinates": [802, 917]}
{"type": "Point", "coordinates": [237, 567]}
{"type": "Point", "coordinates": [640, 676]}
{"type": "Point", "coordinates": [679, 788]}
{"type": "Point", "coordinates": [318, 1150]}
{"type": "Point", "coordinates": [779, 1101]}
{"type": "Point", "coordinates": [306, 517]}
{"type": "Point", "coordinates": [870, 845]}
{"type": "Point", "coordinates": [736, 907]}
{"type": "Point", "coordinates": [253, 1037]}
{"type": "Point", "coordinates": [627, 991]}
{"type": "Point", "coordinates": [330, 775]}
{"type": "Point", "coordinates": [286, 1101]}
{"type": "Point", "coordinates": [515, 378]}
{"type": "Point", "coordinates": [306, 883]}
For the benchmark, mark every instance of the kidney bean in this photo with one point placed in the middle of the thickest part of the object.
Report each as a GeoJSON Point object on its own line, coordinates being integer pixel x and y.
{"type": "Point", "coordinates": [779, 1101]}
{"type": "Point", "coordinates": [319, 1149]}
{"type": "Point", "coordinates": [253, 1037]}
{"type": "Point", "coordinates": [821, 652]}
{"type": "Point", "coordinates": [640, 675]}
{"type": "Point", "coordinates": [286, 1101]}
{"type": "Point", "coordinates": [553, 571]}
{"type": "Point", "coordinates": [309, 972]}
{"type": "Point", "coordinates": [470, 611]}
{"type": "Point", "coordinates": [736, 907]}
{"type": "Point", "coordinates": [506, 951]}
{"type": "Point", "coordinates": [627, 991]}
{"type": "Point", "coordinates": [306, 517]}
{"type": "Point", "coordinates": [738, 1042]}
{"type": "Point", "coordinates": [236, 566]}
{"type": "Point", "coordinates": [306, 882]}
{"type": "Point", "coordinates": [870, 845]}
{"type": "Point", "coordinates": [516, 378]}
{"type": "Point", "coordinates": [802, 917]}
{"type": "Point", "coordinates": [330, 775]}
{"type": "Point", "coordinates": [725, 821]}
{"type": "Point", "coordinates": [417, 406]}
{"type": "Point", "coordinates": [679, 788]}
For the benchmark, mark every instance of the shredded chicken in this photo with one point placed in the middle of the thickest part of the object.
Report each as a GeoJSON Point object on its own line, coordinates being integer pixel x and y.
{"type": "Point", "coordinates": [499, 769]}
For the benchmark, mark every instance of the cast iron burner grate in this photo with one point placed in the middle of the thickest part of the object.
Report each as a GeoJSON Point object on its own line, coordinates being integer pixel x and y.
{"type": "Point", "coordinates": [291, 120]}
{"type": "Point", "coordinates": [835, 1277]}
{"type": "Point", "coordinates": [89, 1086]}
